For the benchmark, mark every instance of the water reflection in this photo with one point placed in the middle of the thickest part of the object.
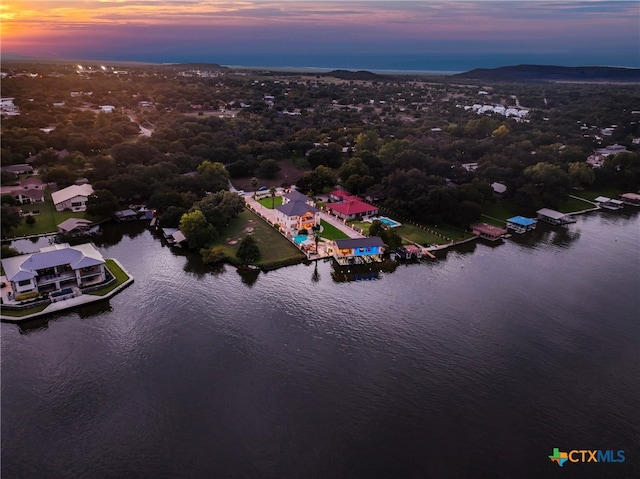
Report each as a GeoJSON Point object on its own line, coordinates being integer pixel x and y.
{"type": "Point", "coordinates": [113, 232]}
{"type": "Point", "coordinates": [249, 276]}
{"type": "Point", "coordinates": [361, 272]}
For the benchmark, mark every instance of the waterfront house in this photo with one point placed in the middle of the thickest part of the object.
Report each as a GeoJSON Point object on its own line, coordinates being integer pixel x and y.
{"type": "Point", "coordinates": [630, 199]}
{"type": "Point", "coordinates": [297, 215]}
{"type": "Point", "coordinates": [352, 207]}
{"type": "Point", "coordinates": [520, 224]}
{"type": "Point", "coordinates": [54, 268]}
{"type": "Point", "coordinates": [72, 198]}
{"type": "Point", "coordinates": [554, 217]}
{"type": "Point", "coordinates": [487, 231]}
{"type": "Point", "coordinates": [357, 250]}
{"type": "Point", "coordinates": [608, 203]}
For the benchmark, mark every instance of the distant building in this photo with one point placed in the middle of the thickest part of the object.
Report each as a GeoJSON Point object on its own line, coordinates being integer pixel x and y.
{"type": "Point", "coordinates": [498, 188]}
{"type": "Point", "coordinates": [21, 169]}
{"type": "Point", "coordinates": [72, 198]}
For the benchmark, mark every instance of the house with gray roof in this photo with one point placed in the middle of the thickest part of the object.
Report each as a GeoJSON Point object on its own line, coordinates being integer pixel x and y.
{"type": "Point", "coordinates": [54, 268]}
{"type": "Point", "coordinates": [296, 215]}
{"type": "Point", "coordinates": [294, 195]}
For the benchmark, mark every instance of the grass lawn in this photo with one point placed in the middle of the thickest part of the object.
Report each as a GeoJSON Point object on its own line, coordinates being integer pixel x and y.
{"type": "Point", "coordinates": [418, 235]}
{"type": "Point", "coordinates": [269, 202]}
{"type": "Point", "coordinates": [499, 212]}
{"type": "Point", "coordinates": [274, 248]}
{"type": "Point", "coordinates": [592, 193]}
{"type": "Point", "coordinates": [23, 312]}
{"type": "Point", "coordinates": [120, 275]}
{"type": "Point", "coordinates": [330, 232]}
{"type": "Point", "coordinates": [572, 204]}
{"type": "Point", "coordinates": [361, 225]}
{"type": "Point", "coordinates": [46, 221]}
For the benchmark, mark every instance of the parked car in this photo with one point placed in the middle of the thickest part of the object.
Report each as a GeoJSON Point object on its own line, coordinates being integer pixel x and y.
{"type": "Point", "coordinates": [263, 188]}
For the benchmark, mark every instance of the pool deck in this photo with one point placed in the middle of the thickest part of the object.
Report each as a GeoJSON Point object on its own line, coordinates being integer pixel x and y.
{"type": "Point", "coordinates": [66, 303]}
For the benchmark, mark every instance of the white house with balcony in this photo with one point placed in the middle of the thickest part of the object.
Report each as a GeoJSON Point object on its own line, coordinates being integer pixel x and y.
{"type": "Point", "coordinates": [72, 198]}
{"type": "Point", "coordinates": [54, 268]}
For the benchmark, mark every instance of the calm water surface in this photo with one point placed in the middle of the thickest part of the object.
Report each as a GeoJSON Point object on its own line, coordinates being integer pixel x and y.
{"type": "Point", "coordinates": [476, 364]}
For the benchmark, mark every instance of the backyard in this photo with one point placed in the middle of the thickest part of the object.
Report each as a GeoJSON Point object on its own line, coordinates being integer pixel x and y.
{"type": "Point", "coordinates": [330, 232]}
{"type": "Point", "coordinates": [274, 248]}
{"type": "Point", "coordinates": [47, 219]}
{"type": "Point", "coordinates": [270, 202]}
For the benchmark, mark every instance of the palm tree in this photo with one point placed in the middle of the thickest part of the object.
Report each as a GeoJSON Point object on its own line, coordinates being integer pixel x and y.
{"type": "Point", "coordinates": [272, 190]}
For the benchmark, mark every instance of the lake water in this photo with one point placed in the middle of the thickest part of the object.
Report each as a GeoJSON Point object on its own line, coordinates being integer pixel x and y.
{"type": "Point", "coordinates": [476, 364]}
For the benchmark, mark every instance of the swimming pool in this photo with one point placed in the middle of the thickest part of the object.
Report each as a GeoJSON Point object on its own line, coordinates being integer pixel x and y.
{"type": "Point", "coordinates": [389, 222]}
{"type": "Point", "coordinates": [299, 239]}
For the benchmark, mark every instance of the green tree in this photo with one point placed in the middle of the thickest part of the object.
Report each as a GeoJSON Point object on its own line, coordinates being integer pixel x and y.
{"type": "Point", "coordinates": [60, 175]}
{"type": "Point", "coordinates": [272, 192]}
{"type": "Point", "coordinates": [581, 174]}
{"type": "Point", "coordinates": [9, 218]}
{"type": "Point", "coordinates": [213, 255]}
{"type": "Point", "coordinates": [213, 176]}
{"type": "Point", "coordinates": [254, 182]}
{"type": "Point", "coordinates": [197, 229]}
{"type": "Point", "coordinates": [248, 251]}
{"type": "Point", "coordinates": [30, 220]}
{"type": "Point", "coordinates": [7, 251]}
{"type": "Point", "coordinates": [268, 169]}
{"type": "Point", "coordinates": [102, 204]}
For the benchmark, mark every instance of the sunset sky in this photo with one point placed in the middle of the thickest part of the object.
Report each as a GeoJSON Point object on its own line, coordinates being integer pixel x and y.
{"type": "Point", "coordinates": [393, 35]}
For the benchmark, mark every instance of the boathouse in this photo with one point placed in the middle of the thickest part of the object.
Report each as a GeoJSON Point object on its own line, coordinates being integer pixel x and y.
{"type": "Point", "coordinates": [487, 231]}
{"type": "Point", "coordinates": [554, 217]}
{"type": "Point", "coordinates": [75, 226]}
{"type": "Point", "coordinates": [358, 250]}
{"type": "Point", "coordinates": [632, 199]}
{"type": "Point", "coordinates": [520, 224]}
{"type": "Point", "coordinates": [409, 251]}
{"type": "Point", "coordinates": [608, 203]}
{"type": "Point", "coordinates": [125, 215]}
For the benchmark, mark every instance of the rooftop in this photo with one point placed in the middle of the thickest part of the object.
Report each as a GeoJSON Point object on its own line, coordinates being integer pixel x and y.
{"type": "Point", "coordinates": [296, 208]}
{"type": "Point", "coordinates": [23, 267]}
{"type": "Point", "coordinates": [522, 221]}
{"type": "Point", "coordinates": [352, 207]}
{"type": "Point", "coordinates": [71, 192]}
{"type": "Point", "coordinates": [372, 241]}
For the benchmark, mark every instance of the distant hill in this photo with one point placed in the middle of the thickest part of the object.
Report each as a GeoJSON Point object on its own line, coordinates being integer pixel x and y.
{"type": "Point", "coordinates": [549, 73]}
{"type": "Point", "coordinates": [351, 75]}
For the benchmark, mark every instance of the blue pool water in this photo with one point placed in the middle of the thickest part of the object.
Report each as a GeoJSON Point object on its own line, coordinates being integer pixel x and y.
{"type": "Point", "coordinates": [389, 222]}
{"type": "Point", "coordinates": [62, 292]}
{"type": "Point", "coordinates": [299, 239]}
